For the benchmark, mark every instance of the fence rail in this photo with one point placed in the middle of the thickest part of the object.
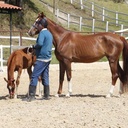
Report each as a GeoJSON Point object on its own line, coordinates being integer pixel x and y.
{"type": "Point", "coordinates": [99, 18]}
{"type": "Point", "coordinates": [13, 47]}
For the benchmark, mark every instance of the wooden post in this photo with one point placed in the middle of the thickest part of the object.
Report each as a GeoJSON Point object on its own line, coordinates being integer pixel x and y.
{"type": "Point", "coordinates": [54, 6]}
{"type": "Point", "coordinates": [10, 32]}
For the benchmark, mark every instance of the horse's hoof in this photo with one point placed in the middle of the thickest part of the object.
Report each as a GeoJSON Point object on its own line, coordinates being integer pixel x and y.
{"type": "Point", "coordinates": [68, 95]}
{"type": "Point", "coordinates": [39, 96]}
{"type": "Point", "coordinates": [119, 95]}
{"type": "Point", "coordinates": [15, 97]}
{"type": "Point", "coordinates": [57, 95]}
{"type": "Point", "coordinates": [109, 95]}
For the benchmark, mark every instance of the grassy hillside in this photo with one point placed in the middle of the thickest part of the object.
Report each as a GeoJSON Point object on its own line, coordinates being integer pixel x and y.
{"type": "Point", "coordinates": [31, 8]}
{"type": "Point", "coordinates": [109, 5]}
{"type": "Point", "coordinates": [30, 11]}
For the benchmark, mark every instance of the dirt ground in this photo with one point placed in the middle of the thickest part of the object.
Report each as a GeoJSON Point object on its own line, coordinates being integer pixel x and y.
{"type": "Point", "coordinates": [86, 108]}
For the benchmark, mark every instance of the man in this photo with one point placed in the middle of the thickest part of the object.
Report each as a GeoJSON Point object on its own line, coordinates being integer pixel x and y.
{"type": "Point", "coordinates": [43, 48]}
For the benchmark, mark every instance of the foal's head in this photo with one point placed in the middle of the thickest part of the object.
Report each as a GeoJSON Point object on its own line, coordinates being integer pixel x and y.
{"type": "Point", "coordinates": [39, 24]}
{"type": "Point", "coordinates": [11, 87]}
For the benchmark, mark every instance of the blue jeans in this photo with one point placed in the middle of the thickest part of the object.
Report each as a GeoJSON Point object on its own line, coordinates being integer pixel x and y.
{"type": "Point", "coordinates": [40, 69]}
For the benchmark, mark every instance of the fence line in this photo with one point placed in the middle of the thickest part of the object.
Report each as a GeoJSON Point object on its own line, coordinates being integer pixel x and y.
{"type": "Point", "coordinates": [18, 37]}
{"type": "Point", "coordinates": [2, 60]}
{"type": "Point", "coordinates": [81, 22]}
{"type": "Point", "coordinates": [94, 24]}
{"type": "Point", "coordinates": [95, 8]}
{"type": "Point", "coordinates": [2, 47]}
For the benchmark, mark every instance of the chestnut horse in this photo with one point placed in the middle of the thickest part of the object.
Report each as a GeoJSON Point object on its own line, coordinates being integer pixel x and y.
{"type": "Point", "coordinates": [74, 47]}
{"type": "Point", "coordinates": [18, 60]}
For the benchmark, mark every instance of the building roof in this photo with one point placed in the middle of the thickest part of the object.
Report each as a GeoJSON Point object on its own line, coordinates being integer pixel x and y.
{"type": "Point", "coordinates": [6, 6]}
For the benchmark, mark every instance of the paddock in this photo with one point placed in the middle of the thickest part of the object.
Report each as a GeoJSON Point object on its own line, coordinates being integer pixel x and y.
{"type": "Point", "coordinates": [86, 108]}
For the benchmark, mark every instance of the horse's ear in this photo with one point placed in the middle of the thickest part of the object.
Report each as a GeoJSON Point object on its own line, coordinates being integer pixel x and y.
{"type": "Point", "coordinates": [41, 15]}
{"type": "Point", "coordinates": [5, 79]}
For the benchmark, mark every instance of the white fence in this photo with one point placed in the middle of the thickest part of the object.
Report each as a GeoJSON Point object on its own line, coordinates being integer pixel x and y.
{"type": "Point", "coordinates": [2, 47]}
{"type": "Point", "coordinates": [97, 19]}
{"type": "Point", "coordinates": [17, 37]}
{"type": "Point", "coordinates": [122, 31]}
{"type": "Point", "coordinates": [2, 60]}
{"type": "Point", "coordinates": [72, 19]}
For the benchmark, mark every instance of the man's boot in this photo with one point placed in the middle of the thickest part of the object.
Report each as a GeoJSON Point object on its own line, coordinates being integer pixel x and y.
{"type": "Point", "coordinates": [32, 91]}
{"type": "Point", "coordinates": [46, 93]}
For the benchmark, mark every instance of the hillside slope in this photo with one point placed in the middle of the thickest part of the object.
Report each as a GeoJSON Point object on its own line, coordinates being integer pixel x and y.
{"type": "Point", "coordinates": [24, 19]}
{"type": "Point", "coordinates": [110, 7]}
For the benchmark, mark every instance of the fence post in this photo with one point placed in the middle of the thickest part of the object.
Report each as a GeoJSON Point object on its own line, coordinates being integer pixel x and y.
{"type": "Point", "coordinates": [103, 15]}
{"type": "Point", "coordinates": [1, 58]}
{"type": "Point", "coordinates": [92, 9]}
{"type": "Point", "coordinates": [107, 26]}
{"type": "Point", "coordinates": [122, 27]}
{"type": "Point", "coordinates": [57, 13]}
{"type": "Point", "coordinates": [116, 18]}
{"type": "Point", "coordinates": [80, 23]}
{"type": "Point", "coordinates": [20, 39]}
{"type": "Point", "coordinates": [68, 20]}
{"type": "Point", "coordinates": [81, 3]}
{"type": "Point", "coordinates": [93, 25]}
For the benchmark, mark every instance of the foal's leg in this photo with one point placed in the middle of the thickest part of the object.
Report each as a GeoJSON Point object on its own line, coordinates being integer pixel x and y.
{"type": "Point", "coordinates": [61, 78]}
{"type": "Point", "coordinates": [29, 71]}
{"type": "Point", "coordinates": [114, 71]}
{"type": "Point", "coordinates": [17, 82]}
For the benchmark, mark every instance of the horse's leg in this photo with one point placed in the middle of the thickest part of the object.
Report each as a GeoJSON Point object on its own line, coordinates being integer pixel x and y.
{"type": "Point", "coordinates": [17, 82]}
{"type": "Point", "coordinates": [61, 77]}
{"type": "Point", "coordinates": [114, 71]}
{"type": "Point", "coordinates": [29, 71]}
{"type": "Point", "coordinates": [68, 73]}
{"type": "Point", "coordinates": [121, 89]}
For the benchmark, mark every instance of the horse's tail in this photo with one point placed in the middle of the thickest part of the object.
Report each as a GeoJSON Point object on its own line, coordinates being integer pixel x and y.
{"type": "Point", "coordinates": [125, 66]}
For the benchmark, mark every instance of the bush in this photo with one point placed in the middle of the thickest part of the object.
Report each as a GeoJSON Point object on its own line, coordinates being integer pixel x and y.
{"type": "Point", "coordinates": [119, 1]}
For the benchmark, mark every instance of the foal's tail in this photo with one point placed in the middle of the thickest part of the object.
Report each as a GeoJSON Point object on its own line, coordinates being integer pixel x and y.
{"type": "Point", "coordinates": [125, 65]}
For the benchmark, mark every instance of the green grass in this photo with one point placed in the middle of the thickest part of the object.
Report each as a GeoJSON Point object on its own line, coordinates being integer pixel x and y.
{"type": "Point", "coordinates": [32, 8]}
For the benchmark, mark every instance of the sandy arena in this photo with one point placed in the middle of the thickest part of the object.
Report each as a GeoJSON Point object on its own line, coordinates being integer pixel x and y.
{"type": "Point", "coordinates": [86, 108]}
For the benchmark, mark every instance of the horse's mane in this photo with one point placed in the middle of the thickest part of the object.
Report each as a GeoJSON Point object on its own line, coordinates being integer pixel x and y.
{"type": "Point", "coordinates": [41, 15]}
{"type": "Point", "coordinates": [28, 50]}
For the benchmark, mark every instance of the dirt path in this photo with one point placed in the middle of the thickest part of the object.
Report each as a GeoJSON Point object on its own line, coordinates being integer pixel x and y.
{"type": "Point", "coordinates": [86, 108]}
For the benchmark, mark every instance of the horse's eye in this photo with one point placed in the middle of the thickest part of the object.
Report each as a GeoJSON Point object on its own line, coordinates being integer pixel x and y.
{"type": "Point", "coordinates": [37, 22]}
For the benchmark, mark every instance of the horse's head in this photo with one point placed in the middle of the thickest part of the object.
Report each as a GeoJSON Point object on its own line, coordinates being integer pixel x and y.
{"type": "Point", "coordinates": [10, 87]}
{"type": "Point", "coordinates": [40, 23]}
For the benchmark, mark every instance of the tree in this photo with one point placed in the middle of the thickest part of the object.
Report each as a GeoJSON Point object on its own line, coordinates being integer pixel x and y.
{"type": "Point", "coordinates": [14, 2]}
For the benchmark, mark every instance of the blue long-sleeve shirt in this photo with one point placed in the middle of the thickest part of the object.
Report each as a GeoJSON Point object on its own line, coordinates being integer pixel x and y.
{"type": "Point", "coordinates": [43, 45]}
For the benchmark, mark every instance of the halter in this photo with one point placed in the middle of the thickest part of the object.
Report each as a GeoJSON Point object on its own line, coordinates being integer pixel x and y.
{"type": "Point", "coordinates": [28, 50]}
{"type": "Point", "coordinates": [34, 26]}
{"type": "Point", "coordinates": [42, 21]}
